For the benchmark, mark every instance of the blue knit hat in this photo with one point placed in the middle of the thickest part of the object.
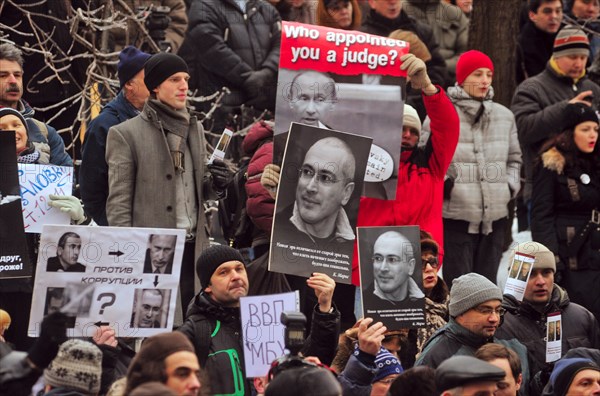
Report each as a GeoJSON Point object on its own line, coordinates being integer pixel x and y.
{"type": "Point", "coordinates": [564, 373]}
{"type": "Point", "coordinates": [131, 62]}
{"type": "Point", "coordinates": [387, 364]}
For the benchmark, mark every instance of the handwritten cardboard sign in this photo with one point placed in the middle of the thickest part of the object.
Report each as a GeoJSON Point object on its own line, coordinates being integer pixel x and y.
{"type": "Point", "coordinates": [263, 332]}
{"type": "Point", "coordinates": [37, 183]}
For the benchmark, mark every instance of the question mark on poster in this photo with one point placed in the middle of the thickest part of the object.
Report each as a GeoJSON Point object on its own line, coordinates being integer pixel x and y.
{"type": "Point", "coordinates": [393, 55]}
{"type": "Point", "coordinates": [111, 300]}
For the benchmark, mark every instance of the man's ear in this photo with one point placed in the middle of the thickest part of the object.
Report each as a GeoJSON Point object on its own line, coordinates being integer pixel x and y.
{"type": "Point", "coordinates": [531, 16]}
{"type": "Point", "coordinates": [519, 381]}
{"type": "Point", "coordinates": [208, 289]}
{"type": "Point", "coordinates": [372, 3]}
{"type": "Point", "coordinates": [348, 190]}
{"type": "Point", "coordinates": [411, 266]}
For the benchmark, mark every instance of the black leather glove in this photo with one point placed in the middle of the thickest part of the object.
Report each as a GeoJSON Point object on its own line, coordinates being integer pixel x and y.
{"type": "Point", "coordinates": [52, 334]}
{"type": "Point", "coordinates": [448, 186]}
{"type": "Point", "coordinates": [221, 174]}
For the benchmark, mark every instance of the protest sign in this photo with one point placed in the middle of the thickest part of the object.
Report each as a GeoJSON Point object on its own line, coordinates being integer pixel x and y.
{"type": "Point", "coordinates": [391, 276]}
{"type": "Point", "coordinates": [317, 202]}
{"type": "Point", "coordinates": [123, 277]}
{"type": "Point", "coordinates": [37, 183]}
{"type": "Point", "coordinates": [347, 81]}
{"type": "Point", "coordinates": [263, 332]}
{"type": "Point", "coordinates": [518, 274]}
{"type": "Point", "coordinates": [14, 260]}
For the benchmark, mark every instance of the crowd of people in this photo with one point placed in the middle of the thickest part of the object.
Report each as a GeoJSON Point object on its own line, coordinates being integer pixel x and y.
{"type": "Point", "coordinates": [465, 160]}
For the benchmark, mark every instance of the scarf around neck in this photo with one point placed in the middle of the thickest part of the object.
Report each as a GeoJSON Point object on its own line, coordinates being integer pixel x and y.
{"type": "Point", "coordinates": [176, 124]}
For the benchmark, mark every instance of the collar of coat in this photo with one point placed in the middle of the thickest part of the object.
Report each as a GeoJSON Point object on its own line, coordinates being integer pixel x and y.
{"type": "Point", "coordinates": [554, 160]}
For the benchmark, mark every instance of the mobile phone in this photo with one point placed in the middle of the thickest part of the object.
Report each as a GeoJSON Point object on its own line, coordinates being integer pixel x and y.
{"type": "Point", "coordinates": [589, 98]}
{"type": "Point", "coordinates": [221, 146]}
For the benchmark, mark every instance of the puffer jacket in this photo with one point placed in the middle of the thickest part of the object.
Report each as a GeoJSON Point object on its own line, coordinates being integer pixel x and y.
{"type": "Point", "coordinates": [259, 206]}
{"type": "Point", "coordinates": [449, 24]}
{"type": "Point", "coordinates": [485, 167]}
{"type": "Point", "coordinates": [223, 43]}
{"type": "Point", "coordinates": [523, 322]}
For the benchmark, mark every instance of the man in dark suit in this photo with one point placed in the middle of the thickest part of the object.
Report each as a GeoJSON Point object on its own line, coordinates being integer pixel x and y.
{"type": "Point", "coordinates": [160, 253]}
{"type": "Point", "coordinates": [67, 254]}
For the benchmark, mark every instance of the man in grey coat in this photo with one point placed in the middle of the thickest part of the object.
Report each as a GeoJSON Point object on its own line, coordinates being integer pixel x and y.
{"type": "Point", "coordinates": [157, 165]}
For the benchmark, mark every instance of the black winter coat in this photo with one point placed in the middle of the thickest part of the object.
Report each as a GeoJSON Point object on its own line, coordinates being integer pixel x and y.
{"type": "Point", "coordinates": [222, 43]}
{"type": "Point", "coordinates": [534, 49]}
{"type": "Point", "coordinates": [555, 212]}
{"type": "Point", "coordinates": [523, 322]}
{"type": "Point", "coordinates": [222, 339]}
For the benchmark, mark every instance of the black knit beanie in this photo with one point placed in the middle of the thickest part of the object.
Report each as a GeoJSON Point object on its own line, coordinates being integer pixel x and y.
{"type": "Point", "coordinates": [212, 258]}
{"type": "Point", "coordinates": [162, 66]}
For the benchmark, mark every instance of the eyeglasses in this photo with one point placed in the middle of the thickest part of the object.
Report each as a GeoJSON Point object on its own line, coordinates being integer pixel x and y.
{"type": "Point", "coordinates": [487, 311]}
{"type": "Point", "coordinates": [433, 261]}
{"type": "Point", "coordinates": [391, 260]}
{"type": "Point", "coordinates": [306, 173]}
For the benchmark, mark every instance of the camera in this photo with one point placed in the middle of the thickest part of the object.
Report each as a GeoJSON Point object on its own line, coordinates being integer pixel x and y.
{"type": "Point", "coordinates": [157, 21]}
{"type": "Point", "coordinates": [295, 331]}
{"type": "Point", "coordinates": [295, 334]}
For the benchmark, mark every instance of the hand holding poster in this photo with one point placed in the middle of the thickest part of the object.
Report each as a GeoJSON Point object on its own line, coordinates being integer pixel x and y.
{"type": "Point", "coordinates": [332, 79]}
{"type": "Point", "coordinates": [263, 332]}
{"type": "Point", "coordinates": [317, 203]}
{"type": "Point", "coordinates": [124, 277]}
{"type": "Point", "coordinates": [391, 276]}
{"type": "Point", "coordinates": [37, 183]}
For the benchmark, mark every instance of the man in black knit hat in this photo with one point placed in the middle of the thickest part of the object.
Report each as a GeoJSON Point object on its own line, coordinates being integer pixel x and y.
{"type": "Point", "coordinates": [157, 165]}
{"type": "Point", "coordinates": [213, 320]}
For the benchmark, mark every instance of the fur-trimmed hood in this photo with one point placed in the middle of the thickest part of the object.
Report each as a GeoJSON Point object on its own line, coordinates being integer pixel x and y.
{"type": "Point", "coordinates": [554, 160]}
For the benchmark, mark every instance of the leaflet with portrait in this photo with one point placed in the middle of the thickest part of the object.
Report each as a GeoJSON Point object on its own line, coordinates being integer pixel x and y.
{"type": "Point", "coordinates": [518, 275]}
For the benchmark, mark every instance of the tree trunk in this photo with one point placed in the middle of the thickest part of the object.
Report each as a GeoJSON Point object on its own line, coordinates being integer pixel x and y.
{"type": "Point", "coordinates": [493, 30]}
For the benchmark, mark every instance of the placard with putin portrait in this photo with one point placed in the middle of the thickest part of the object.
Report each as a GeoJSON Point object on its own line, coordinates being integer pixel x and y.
{"type": "Point", "coordinates": [122, 277]}
{"type": "Point", "coordinates": [317, 202]}
{"type": "Point", "coordinates": [391, 276]}
{"type": "Point", "coordinates": [339, 86]}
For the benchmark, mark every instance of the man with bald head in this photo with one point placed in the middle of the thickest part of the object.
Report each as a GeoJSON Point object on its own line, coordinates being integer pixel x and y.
{"type": "Point", "coordinates": [325, 185]}
{"type": "Point", "coordinates": [393, 267]}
